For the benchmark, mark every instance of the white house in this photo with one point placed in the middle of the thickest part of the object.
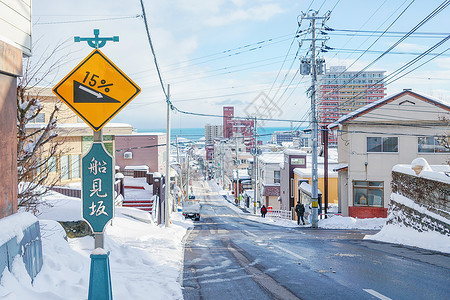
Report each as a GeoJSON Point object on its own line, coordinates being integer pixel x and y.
{"type": "Point", "coordinates": [371, 140]}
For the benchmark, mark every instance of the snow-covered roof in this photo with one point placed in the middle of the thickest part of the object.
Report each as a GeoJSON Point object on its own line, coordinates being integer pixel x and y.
{"type": "Point", "coordinates": [307, 188]}
{"type": "Point", "coordinates": [306, 172]}
{"type": "Point", "coordinates": [144, 134]}
{"type": "Point", "coordinates": [365, 109]}
{"type": "Point", "coordinates": [293, 151]}
{"type": "Point", "coordinates": [77, 125]}
{"type": "Point", "coordinates": [271, 157]}
{"type": "Point", "coordinates": [137, 168]}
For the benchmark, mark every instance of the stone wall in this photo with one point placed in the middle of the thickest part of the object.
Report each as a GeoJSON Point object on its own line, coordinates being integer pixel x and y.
{"type": "Point", "coordinates": [433, 195]}
{"type": "Point", "coordinates": [428, 195]}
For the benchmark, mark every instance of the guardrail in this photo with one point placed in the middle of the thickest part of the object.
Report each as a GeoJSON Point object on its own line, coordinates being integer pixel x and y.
{"type": "Point", "coordinates": [280, 214]}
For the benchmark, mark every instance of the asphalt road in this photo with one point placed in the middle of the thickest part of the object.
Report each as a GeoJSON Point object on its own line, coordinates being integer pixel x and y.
{"type": "Point", "coordinates": [230, 257]}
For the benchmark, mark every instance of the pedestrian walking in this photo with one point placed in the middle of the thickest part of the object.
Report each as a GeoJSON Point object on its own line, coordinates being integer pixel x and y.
{"type": "Point", "coordinates": [300, 210]}
{"type": "Point", "coordinates": [263, 211]}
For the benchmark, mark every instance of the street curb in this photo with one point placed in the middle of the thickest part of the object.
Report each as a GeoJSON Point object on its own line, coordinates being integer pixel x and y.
{"type": "Point", "coordinates": [183, 240]}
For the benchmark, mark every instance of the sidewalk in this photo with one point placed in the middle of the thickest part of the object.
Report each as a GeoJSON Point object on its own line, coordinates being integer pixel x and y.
{"type": "Point", "coordinates": [226, 196]}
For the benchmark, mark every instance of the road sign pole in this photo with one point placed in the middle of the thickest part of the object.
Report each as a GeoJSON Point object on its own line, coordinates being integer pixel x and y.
{"type": "Point", "coordinates": [98, 237]}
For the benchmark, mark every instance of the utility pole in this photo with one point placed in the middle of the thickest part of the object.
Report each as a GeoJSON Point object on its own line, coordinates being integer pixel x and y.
{"type": "Point", "coordinates": [255, 167]}
{"type": "Point", "coordinates": [167, 180]}
{"type": "Point", "coordinates": [312, 69]}
{"type": "Point", "coordinates": [187, 175]}
{"type": "Point", "coordinates": [238, 186]}
{"type": "Point", "coordinates": [325, 165]}
{"type": "Point", "coordinates": [181, 171]}
{"type": "Point", "coordinates": [222, 169]}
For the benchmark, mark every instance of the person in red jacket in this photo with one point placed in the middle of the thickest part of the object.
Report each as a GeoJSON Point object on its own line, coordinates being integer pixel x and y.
{"type": "Point", "coordinates": [263, 211]}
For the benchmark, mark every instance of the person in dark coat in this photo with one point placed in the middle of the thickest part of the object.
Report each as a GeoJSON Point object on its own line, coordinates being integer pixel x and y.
{"type": "Point", "coordinates": [263, 211]}
{"type": "Point", "coordinates": [300, 210]}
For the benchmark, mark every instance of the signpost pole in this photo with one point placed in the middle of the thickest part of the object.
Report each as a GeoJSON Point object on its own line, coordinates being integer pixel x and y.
{"type": "Point", "coordinates": [98, 237]}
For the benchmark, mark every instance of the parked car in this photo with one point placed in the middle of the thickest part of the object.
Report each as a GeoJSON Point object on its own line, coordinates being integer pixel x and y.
{"type": "Point", "coordinates": [191, 209]}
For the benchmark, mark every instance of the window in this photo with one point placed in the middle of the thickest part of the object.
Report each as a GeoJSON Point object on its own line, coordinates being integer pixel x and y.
{"type": "Point", "coordinates": [75, 165]}
{"type": "Point", "coordinates": [65, 163]}
{"type": "Point", "coordinates": [70, 166]}
{"type": "Point", "coordinates": [107, 142]}
{"type": "Point", "coordinates": [276, 176]}
{"type": "Point", "coordinates": [40, 118]}
{"type": "Point", "coordinates": [368, 193]}
{"type": "Point", "coordinates": [382, 144]}
{"type": "Point", "coordinates": [432, 144]}
{"type": "Point", "coordinates": [52, 166]}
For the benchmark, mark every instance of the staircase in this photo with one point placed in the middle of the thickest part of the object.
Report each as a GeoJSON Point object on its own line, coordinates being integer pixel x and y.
{"type": "Point", "coordinates": [138, 197]}
{"type": "Point", "coordinates": [142, 204]}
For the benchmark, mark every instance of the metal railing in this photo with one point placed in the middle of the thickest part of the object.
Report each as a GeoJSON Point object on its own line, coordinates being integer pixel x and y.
{"type": "Point", "coordinates": [280, 214]}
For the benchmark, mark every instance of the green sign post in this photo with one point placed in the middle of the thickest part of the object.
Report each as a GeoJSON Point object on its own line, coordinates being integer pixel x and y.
{"type": "Point", "coordinates": [97, 187]}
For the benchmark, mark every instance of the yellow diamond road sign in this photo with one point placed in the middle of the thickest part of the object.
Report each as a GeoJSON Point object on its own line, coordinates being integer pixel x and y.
{"type": "Point", "coordinates": [96, 90]}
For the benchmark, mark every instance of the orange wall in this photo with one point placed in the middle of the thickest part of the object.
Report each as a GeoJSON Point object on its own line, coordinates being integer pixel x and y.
{"type": "Point", "coordinates": [332, 188]}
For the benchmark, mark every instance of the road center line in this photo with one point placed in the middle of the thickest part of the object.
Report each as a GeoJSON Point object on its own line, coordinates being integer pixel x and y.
{"type": "Point", "coordinates": [290, 252]}
{"type": "Point", "coordinates": [249, 233]}
{"type": "Point", "coordinates": [376, 294]}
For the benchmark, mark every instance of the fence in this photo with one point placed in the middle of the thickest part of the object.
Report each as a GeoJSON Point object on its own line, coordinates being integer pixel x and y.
{"type": "Point", "coordinates": [76, 193]}
{"type": "Point", "coordinates": [280, 214]}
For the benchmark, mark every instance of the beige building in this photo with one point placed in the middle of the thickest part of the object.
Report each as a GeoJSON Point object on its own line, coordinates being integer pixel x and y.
{"type": "Point", "coordinates": [371, 140]}
{"type": "Point", "coordinates": [74, 136]}
{"type": "Point", "coordinates": [212, 132]}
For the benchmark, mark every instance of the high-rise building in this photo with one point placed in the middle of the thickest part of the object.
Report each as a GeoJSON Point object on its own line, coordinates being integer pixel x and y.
{"type": "Point", "coordinates": [228, 114]}
{"type": "Point", "coordinates": [341, 92]}
{"type": "Point", "coordinates": [212, 132]}
{"type": "Point", "coordinates": [242, 129]}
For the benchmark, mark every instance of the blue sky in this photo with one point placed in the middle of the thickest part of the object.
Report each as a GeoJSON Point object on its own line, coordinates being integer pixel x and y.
{"type": "Point", "coordinates": [191, 39]}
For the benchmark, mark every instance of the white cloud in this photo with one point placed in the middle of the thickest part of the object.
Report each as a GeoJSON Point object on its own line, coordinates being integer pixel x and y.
{"type": "Point", "coordinates": [410, 47]}
{"type": "Point", "coordinates": [257, 13]}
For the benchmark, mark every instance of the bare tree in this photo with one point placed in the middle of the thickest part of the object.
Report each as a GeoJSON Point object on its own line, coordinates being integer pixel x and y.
{"type": "Point", "coordinates": [36, 146]}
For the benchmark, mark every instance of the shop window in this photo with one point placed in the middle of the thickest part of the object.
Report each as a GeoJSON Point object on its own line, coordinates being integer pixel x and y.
{"type": "Point", "coordinates": [368, 193]}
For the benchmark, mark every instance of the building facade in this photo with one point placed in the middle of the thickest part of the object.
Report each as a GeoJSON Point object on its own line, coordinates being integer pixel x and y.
{"type": "Point", "coordinates": [341, 92]}
{"type": "Point", "coordinates": [292, 159]}
{"type": "Point", "coordinates": [270, 178]}
{"type": "Point", "coordinates": [394, 130]}
{"type": "Point", "coordinates": [73, 136]}
{"type": "Point", "coordinates": [212, 132]}
{"type": "Point", "coordinates": [15, 43]}
{"type": "Point", "coordinates": [141, 149]}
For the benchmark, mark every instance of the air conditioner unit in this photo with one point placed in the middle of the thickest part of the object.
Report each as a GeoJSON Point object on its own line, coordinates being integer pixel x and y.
{"type": "Point", "coordinates": [128, 155]}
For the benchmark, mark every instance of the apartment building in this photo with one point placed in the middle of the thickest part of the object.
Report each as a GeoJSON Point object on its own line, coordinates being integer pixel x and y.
{"type": "Point", "coordinates": [341, 92]}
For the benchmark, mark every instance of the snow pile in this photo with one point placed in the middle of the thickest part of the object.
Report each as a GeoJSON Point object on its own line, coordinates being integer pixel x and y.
{"type": "Point", "coordinates": [399, 233]}
{"type": "Point", "coordinates": [14, 225]}
{"type": "Point", "coordinates": [145, 259]}
{"type": "Point", "coordinates": [339, 222]}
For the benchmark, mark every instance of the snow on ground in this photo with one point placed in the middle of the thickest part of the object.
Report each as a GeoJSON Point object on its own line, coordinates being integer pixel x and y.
{"type": "Point", "coordinates": [397, 234]}
{"type": "Point", "coordinates": [145, 259]}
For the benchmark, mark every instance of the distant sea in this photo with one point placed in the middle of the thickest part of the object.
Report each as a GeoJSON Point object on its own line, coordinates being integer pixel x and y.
{"type": "Point", "coordinates": [194, 134]}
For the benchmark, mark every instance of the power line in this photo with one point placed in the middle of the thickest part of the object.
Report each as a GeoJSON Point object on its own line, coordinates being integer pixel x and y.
{"type": "Point", "coordinates": [421, 23]}
{"type": "Point", "coordinates": [402, 68]}
{"type": "Point", "coordinates": [154, 55]}
{"type": "Point", "coordinates": [88, 20]}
